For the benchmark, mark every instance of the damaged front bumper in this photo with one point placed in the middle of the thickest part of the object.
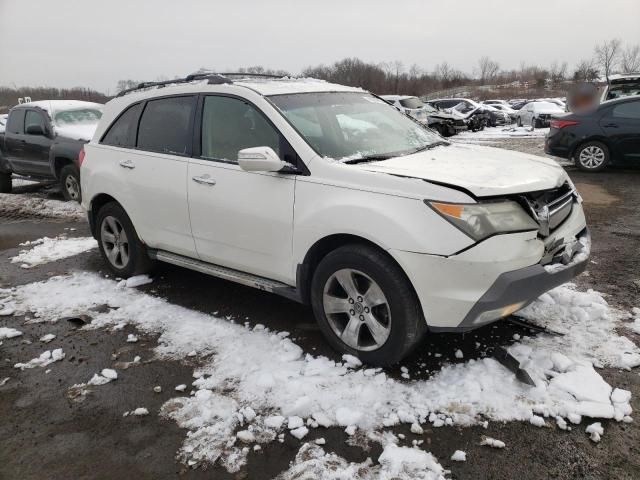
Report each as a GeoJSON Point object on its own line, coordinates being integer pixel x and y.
{"type": "Point", "coordinates": [496, 277]}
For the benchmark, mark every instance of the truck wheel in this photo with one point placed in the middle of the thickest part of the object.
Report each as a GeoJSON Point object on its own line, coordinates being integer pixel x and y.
{"type": "Point", "coordinates": [366, 306]}
{"type": "Point", "coordinates": [5, 182]}
{"type": "Point", "coordinates": [592, 157]}
{"type": "Point", "coordinates": [70, 183]}
{"type": "Point", "coordinates": [119, 244]}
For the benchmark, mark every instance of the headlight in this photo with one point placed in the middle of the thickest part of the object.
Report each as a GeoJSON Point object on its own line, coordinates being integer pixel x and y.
{"type": "Point", "coordinates": [482, 220]}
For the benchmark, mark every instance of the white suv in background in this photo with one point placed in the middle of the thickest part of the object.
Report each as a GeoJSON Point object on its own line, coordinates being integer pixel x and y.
{"type": "Point", "coordinates": [329, 196]}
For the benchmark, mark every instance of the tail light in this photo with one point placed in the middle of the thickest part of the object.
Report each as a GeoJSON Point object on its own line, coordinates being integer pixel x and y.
{"type": "Point", "coordinates": [81, 157]}
{"type": "Point", "coordinates": [563, 123]}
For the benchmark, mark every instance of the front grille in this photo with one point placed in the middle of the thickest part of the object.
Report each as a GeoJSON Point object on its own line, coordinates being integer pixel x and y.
{"type": "Point", "coordinates": [550, 208]}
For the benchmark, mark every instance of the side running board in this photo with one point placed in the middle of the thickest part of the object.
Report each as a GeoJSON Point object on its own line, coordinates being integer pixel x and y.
{"type": "Point", "coordinates": [225, 273]}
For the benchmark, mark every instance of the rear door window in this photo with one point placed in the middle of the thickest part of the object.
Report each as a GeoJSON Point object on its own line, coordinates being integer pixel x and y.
{"type": "Point", "coordinates": [122, 132]}
{"type": "Point", "coordinates": [629, 110]}
{"type": "Point", "coordinates": [166, 125]}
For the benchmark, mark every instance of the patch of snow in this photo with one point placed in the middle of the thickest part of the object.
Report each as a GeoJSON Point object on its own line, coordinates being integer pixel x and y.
{"type": "Point", "coordinates": [181, 388]}
{"type": "Point", "coordinates": [32, 205]}
{"type": "Point", "coordinates": [492, 442]}
{"type": "Point", "coordinates": [140, 411]}
{"type": "Point", "coordinates": [47, 338]}
{"type": "Point", "coordinates": [268, 372]}
{"type": "Point", "coordinates": [459, 456]}
{"type": "Point", "coordinates": [105, 376]}
{"type": "Point", "coordinates": [131, 338]}
{"type": "Point", "coordinates": [51, 249]}
{"type": "Point", "coordinates": [595, 431]}
{"type": "Point", "coordinates": [497, 133]}
{"type": "Point", "coordinates": [136, 281]}
{"type": "Point", "coordinates": [45, 358]}
{"type": "Point", "coordinates": [6, 332]}
{"type": "Point", "coordinates": [299, 433]}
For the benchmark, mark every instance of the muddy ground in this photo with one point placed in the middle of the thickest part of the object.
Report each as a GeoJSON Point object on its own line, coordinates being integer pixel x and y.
{"type": "Point", "coordinates": [45, 433]}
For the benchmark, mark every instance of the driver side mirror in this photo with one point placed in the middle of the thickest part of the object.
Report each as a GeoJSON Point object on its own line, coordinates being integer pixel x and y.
{"type": "Point", "coordinates": [35, 130]}
{"type": "Point", "coordinates": [260, 159]}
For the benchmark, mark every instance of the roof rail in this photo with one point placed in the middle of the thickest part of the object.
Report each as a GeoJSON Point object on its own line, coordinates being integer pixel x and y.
{"type": "Point", "coordinates": [211, 77]}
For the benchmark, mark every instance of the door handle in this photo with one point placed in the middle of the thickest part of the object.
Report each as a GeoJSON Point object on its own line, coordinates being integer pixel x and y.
{"type": "Point", "coordinates": [127, 164]}
{"type": "Point", "coordinates": [204, 180]}
{"type": "Point", "coordinates": [611, 125]}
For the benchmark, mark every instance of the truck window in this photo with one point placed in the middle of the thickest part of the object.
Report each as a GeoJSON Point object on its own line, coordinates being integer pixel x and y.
{"type": "Point", "coordinates": [33, 118]}
{"type": "Point", "coordinates": [15, 124]}
{"type": "Point", "coordinates": [165, 125]}
{"type": "Point", "coordinates": [122, 132]}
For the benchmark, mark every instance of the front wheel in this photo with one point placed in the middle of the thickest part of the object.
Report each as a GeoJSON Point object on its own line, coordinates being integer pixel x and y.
{"type": "Point", "coordinates": [592, 157]}
{"type": "Point", "coordinates": [5, 182]}
{"type": "Point", "coordinates": [119, 244]}
{"type": "Point", "coordinates": [70, 183]}
{"type": "Point", "coordinates": [366, 306]}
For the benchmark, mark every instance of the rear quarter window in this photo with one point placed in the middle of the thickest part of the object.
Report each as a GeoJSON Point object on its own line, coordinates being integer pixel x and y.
{"type": "Point", "coordinates": [122, 132]}
{"type": "Point", "coordinates": [627, 110]}
{"type": "Point", "coordinates": [166, 125]}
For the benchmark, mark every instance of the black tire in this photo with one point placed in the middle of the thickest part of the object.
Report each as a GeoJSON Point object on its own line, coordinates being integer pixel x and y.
{"type": "Point", "coordinates": [592, 157]}
{"type": "Point", "coordinates": [406, 325]}
{"type": "Point", "coordinates": [70, 183]}
{"type": "Point", "coordinates": [138, 261]}
{"type": "Point", "coordinates": [5, 182]}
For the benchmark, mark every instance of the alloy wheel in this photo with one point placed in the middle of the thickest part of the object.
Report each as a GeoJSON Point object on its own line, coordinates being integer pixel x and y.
{"type": "Point", "coordinates": [591, 157]}
{"type": "Point", "coordinates": [114, 242]}
{"type": "Point", "coordinates": [357, 309]}
{"type": "Point", "coordinates": [73, 189]}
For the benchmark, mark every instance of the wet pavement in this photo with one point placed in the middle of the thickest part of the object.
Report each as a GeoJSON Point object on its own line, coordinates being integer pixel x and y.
{"type": "Point", "coordinates": [46, 433]}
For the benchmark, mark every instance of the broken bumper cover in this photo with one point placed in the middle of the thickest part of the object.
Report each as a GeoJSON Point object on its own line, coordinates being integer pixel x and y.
{"type": "Point", "coordinates": [496, 277]}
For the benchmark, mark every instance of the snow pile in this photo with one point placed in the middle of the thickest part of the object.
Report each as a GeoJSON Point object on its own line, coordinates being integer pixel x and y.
{"type": "Point", "coordinates": [6, 332]}
{"type": "Point", "coordinates": [492, 442]}
{"type": "Point", "coordinates": [45, 358]}
{"type": "Point", "coordinates": [32, 205]}
{"type": "Point", "coordinates": [496, 133]}
{"type": "Point", "coordinates": [47, 250]}
{"type": "Point", "coordinates": [595, 431]}
{"type": "Point", "coordinates": [135, 281]}
{"type": "Point", "coordinates": [459, 456]}
{"type": "Point", "coordinates": [105, 376]}
{"type": "Point", "coordinates": [312, 462]}
{"type": "Point", "coordinates": [262, 384]}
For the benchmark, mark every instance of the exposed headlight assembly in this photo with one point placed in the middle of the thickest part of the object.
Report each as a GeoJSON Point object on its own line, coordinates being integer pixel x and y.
{"type": "Point", "coordinates": [482, 220]}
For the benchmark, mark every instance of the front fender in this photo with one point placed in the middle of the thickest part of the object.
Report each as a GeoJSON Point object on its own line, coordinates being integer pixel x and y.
{"type": "Point", "coordinates": [389, 221]}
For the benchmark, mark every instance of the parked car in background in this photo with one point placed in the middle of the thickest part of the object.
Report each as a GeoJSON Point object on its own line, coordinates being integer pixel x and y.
{"type": "Point", "coordinates": [538, 114]}
{"type": "Point", "coordinates": [495, 102]}
{"type": "Point", "coordinates": [496, 116]}
{"type": "Point", "coordinates": [475, 115]}
{"type": "Point", "coordinates": [393, 230]}
{"type": "Point", "coordinates": [608, 134]}
{"type": "Point", "coordinates": [517, 104]}
{"type": "Point", "coordinates": [3, 122]}
{"type": "Point", "coordinates": [446, 124]}
{"type": "Point", "coordinates": [624, 85]}
{"type": "Point", "coordinates": [505, 108]}
{"type": "Point", "coordinates": [42, 140]}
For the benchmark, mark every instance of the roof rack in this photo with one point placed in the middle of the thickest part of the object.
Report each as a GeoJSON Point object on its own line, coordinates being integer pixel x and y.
{"type": "Point", "coordinates": [211, 77]}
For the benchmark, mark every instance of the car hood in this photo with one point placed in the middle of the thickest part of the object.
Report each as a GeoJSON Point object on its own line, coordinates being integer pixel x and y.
{"type": "Point", "coordinates": [77, 132]}
{"type": "Point", "coordinates": [483, 171]}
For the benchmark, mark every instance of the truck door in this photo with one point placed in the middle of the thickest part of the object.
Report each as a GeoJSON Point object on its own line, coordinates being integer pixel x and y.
{"type": "Point", "coordinates": [36, 143]}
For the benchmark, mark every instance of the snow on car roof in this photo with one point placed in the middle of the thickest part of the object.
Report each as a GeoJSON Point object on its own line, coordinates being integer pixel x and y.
{"type": "Point", "coordinates": [283, 86]}
{"type": "Point", "coordinates": [56, 105]}
{"type": "Point", "coordinates": [397, 97]}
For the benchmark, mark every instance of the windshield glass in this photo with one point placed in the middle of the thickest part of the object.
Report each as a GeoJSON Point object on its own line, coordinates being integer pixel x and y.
{"type": "Point", "coordinates": [411, 102]}
{"type": "Point", "coordinates": [77, 116]}
{"type": "Point", "coordinates": [353, 125]}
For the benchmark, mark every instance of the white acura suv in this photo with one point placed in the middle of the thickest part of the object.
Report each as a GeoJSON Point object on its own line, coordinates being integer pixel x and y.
{"type": "Point", "coordinates": [329, 196]}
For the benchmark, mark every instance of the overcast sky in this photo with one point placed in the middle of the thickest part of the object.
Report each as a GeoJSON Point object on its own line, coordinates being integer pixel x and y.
{"type": "Point", "coordinates": [95, 43]}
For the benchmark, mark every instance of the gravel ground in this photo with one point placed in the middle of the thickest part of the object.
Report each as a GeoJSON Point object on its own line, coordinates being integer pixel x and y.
{"type": "Point", "coordinates": [48, 433]}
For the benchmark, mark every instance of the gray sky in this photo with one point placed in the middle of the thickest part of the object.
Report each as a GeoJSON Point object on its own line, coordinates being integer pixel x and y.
{"type": "Point", "coordinates": [94, 43]}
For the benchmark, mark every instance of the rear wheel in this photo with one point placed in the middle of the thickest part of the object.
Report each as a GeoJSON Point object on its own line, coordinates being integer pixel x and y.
{"type": "Point", "coordinates": [5, 182]}
{"type": "Point", "coordinates": [592, 157]}
{"type": "Point", "coordinates": [70, 183]}
{"type": "Point", "coordinates": [119, 244]}
{"type": "Point", "coordinates": [366, 306]}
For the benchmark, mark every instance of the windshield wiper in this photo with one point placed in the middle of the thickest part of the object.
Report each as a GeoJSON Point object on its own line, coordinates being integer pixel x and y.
{"type": "Point", "coordinates": [370, 158]}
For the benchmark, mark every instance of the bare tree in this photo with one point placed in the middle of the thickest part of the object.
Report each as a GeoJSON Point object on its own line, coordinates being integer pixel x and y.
{"type": "Point", "coordinates": [630, 59]}
{"type": "Point", "coordinates": [558, 72]}
{"type": "Point", "coordinates": [126, 84]}
{"type": "Point", "coordinates": [585, 71]}
{"type": "Point", "coordinates": [488, 69]}
{"type": "Point", "coordinates": [607, 54]}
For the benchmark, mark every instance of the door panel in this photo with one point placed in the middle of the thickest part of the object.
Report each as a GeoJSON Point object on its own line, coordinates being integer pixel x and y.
{"type": "Point", "coordinates": [243, 221]}
{"type": "Point", "coordinates": [622, 125]}
{"type": "Point", "coordinates": [35, 148]}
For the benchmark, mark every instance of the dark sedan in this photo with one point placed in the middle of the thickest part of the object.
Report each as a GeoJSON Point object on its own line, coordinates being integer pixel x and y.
{"type": "Point", "coordinates": [605, 135]}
